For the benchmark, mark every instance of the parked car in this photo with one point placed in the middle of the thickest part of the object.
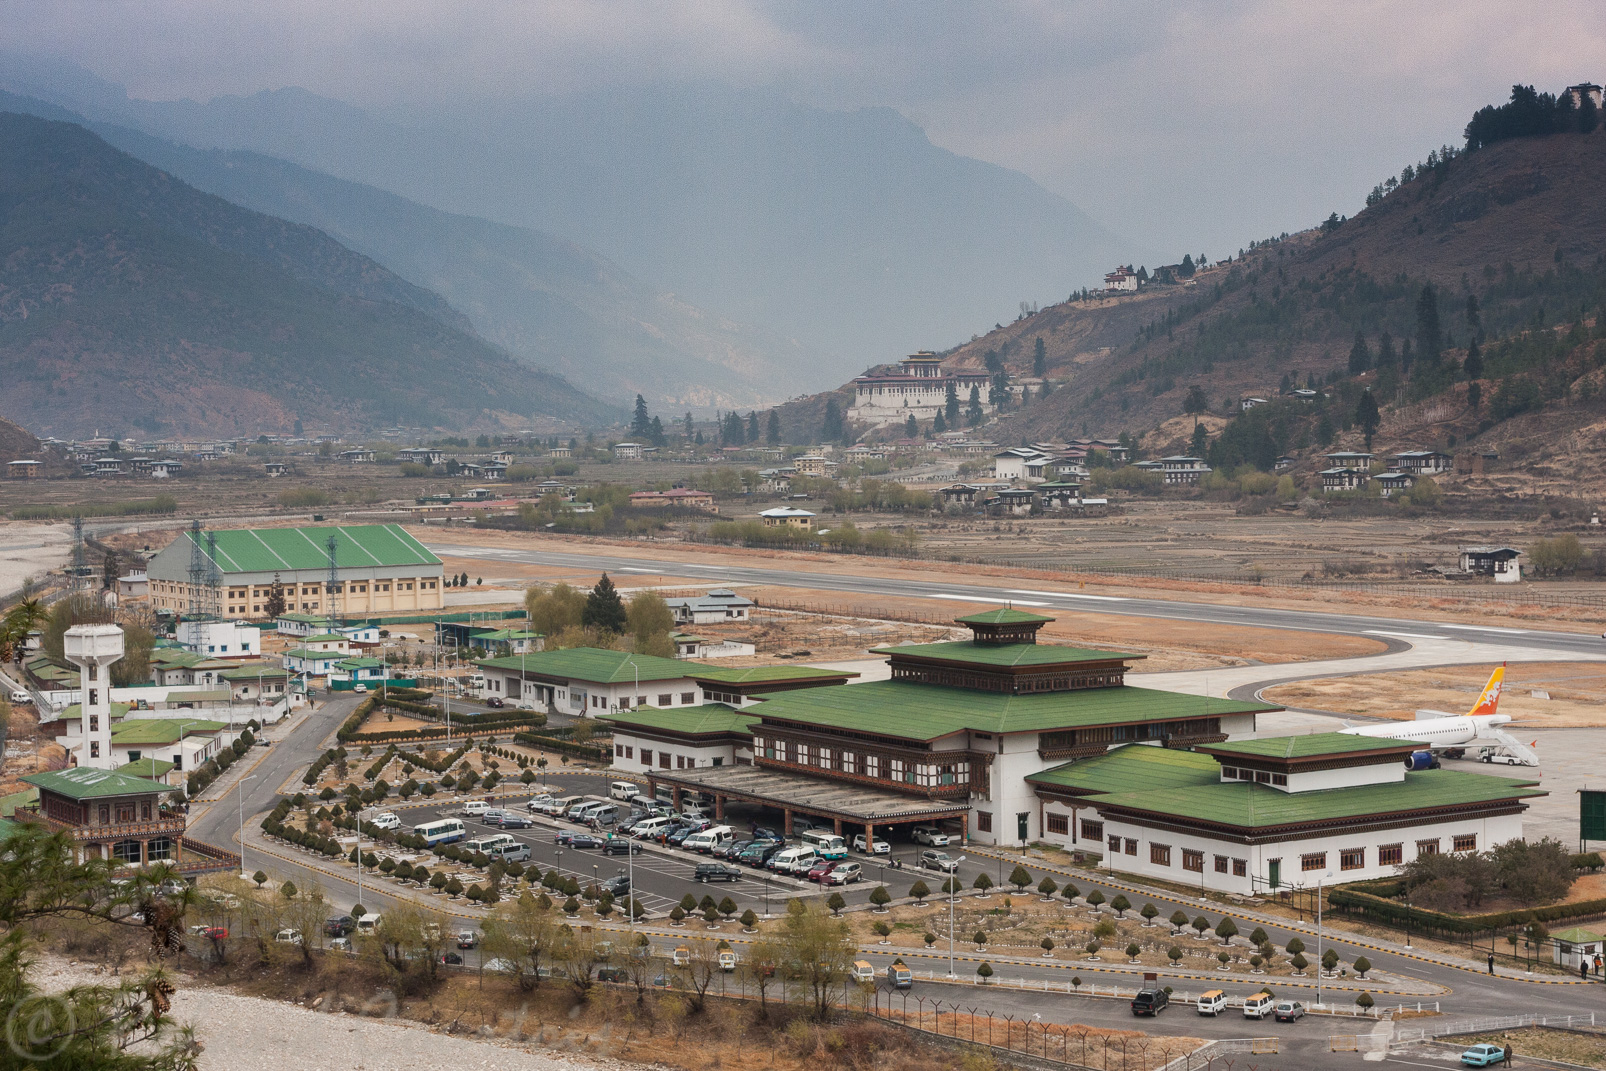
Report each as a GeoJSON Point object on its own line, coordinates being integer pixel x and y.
{"type": "Point", "coordinates": [844, 874]}
{"type": "Point", "coordinates": [339, 925]}
{"type": "Point", "coordinates": [616, 975]}
{"type": "Point", "coordinates": [1483, 1056]}
{"type": "Point", "coordinates": [215, 933]}
{"type": "Point", "coordinates": [728, 851]}
{"type": "Point", "coordinates": [495, 702]}
{"type": "Point", "coordinates": [493, 816]}
{"type": "Point", "coordinates": [1259, 1006]}
{"type": "Point", "coordinates": [940, 861]}
{"type": "Point", "coordinates": [876, 847]}
{"type": "Point", "coordinates": [931, 836]}
{"type": "Point", "coordinates": [360, 688]}
{"type": "Point", "coordinates": [1289, 1011]}
{"type": "Point", "coordinates": [288, 937]}
{"type": "Point", "coordinates": [510, 820]}
{"type": "Point", "coordinates": [620, 846]}
{"type": "Point", "coordinates": [451, 959]}
{"type": "Point", "coordinates": [1150, 1002]}
{"type": "Point", "coordinates": [342, 944]}
{"type": "Point", "coordinates": [565, 836]}
{"type": "Point", "coordinates": [678, 837]}
{"type": "Point", "coordinates": [468, 939]}
{"type": "Point", "coordinates": [538, 803]}
{"type": "Point", "coordinates": [707, 872]}
{"type": "Point", "coordinates": [759, 852]}
{"type": "Point", "coordinates": [585, 840]}
{"type": "Point", "coordinates": [766, 833]}
{"type": "Point", "coordinates": [820, 869]}
{"type": "Point", "coordinates": [617, 886]}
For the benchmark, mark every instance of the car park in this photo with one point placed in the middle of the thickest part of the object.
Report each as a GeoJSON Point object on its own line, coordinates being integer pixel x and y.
{"type": "Point", "coordinates": [877, 846]}
{"type": "Point", "coordinates": [940, 861]}
{"type": "Point", "coordinates": [931, 836]}
{"type": "Point", "coordinates": [707, 872]}
{"type": "Point", "coordinates": [585, 840]}
{"type": "Point", "coordinates": [1150, 1002]}
{"type": "Point", "coordinates": [844, 874]}
{"type": "Point", "coordinates": [1483, 1056]}
{"type": "Point", "coordinates": [1289, 1011]}
{"type": "Point", "coordinates": [621, 846]}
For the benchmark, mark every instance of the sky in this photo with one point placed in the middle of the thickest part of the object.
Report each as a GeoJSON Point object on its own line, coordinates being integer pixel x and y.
{"type": "Point", "coordinates": [1188, 126]}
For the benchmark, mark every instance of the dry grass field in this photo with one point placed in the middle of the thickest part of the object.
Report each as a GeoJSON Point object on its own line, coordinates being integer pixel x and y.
{"type": "Point", "coordinates": [1576, 690]}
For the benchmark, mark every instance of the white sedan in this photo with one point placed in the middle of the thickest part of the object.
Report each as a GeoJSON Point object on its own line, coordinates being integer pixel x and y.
{"type": "Point", "coordinates": [877, 846]}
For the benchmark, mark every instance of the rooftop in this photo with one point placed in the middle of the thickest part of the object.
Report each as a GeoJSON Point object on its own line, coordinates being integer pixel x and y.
{"type": "Point", "coordinates": [1310, 746]}
{"type": "Point", "coordinates": [592, 664]}
{"type": "Point", "coordinates": [268, 550]}
{"type": "Point", "coordinates": [151, 768]}
{"type": "Point", "coordinates": [810, 795]}
{"type": "Point", "coordinates": [86, 782]}
{"type": "Point", "coordinates": [765, 674]}
{"type": "Point", "coordinates": [160, 730]}
{"type": "Point", "coordinates": [1004, 615]}
{"type": "Point", "coordinates": [1132, 768]}
{"type": "Point", "coordinates": [1004, 655]}
{"type": "Point", "coordinates": [928, 711]}
{"type": "Point", "coordinates": [704, 720]}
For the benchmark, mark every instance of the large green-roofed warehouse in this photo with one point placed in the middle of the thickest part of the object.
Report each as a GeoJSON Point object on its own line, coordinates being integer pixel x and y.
{"type": "Point", "coordinates": [379, 568]}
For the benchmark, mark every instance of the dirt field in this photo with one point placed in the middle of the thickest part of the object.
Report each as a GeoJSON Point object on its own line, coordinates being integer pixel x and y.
{"type": "Point", "coordinates": [1563, 1045]}
{"type": "Point", "coordinates": [1577, 692]}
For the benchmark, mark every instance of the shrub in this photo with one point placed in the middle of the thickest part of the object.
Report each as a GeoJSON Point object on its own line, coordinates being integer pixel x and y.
{"type": "Point", "coordinates": [1048, 887]}
{"type": "Point", "coordinates": [1201, 924]}
{"type": "Point", "coordinates": [1364, 1001]}
{"type": "Point", "coordinates": [1149, 913]}
{"type": "Point", "coordinates": [880, 897]}
{"type": "Point", "coordinates": [985, 970]}
{"type": "Point", "coordinates": [1094, 899]}
{"type": "Point", "coordinates": [1362, 965]}
{"type": "Point", "coordinates": [930, 938]}
{"type": "Point", "coordinates": [919, 891]}
{"type": "Point", "coordinates": [881, 929]}
{"type": "Point", "coordinates": [1020, 877]}
{"type": "Point", "coordinates": [571, 906]}
{"type": "Point", "coordinates": [1092, 948]}
{"type": "Point", "coordinates": [1299, 962]}
{"type": "Point", "coordinates": [1294, 946]}
{"type": "Point", "coordinates": [1330, 960]}
{"type": "Point", "coordinates": [1132, 950]}
{"type": "Point", "coordinates": [1121, 905]}
{"type": "Point", "coordinates": [1179, 919]}
{"type": "Point", "coordinates": [983, 882]}
{"type": "Point", "coordinates": [1047, 945]}
{"type": "Point", "coordinates": [1070, 893]}
{"type": "Point", "coordinates": [1174, 953]}
{"type": "Point", "coordinates": [836, 903]}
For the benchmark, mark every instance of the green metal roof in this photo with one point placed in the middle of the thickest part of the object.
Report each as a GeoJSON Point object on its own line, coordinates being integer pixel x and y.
{"type": "Point", "coordinates": [1312, 745]}
{"type": "Point", "coordinates": [1004, 655]}
{"type": "Point", "coordinates": [268, 550]}
{"type": "Point", "coordinates": [86, 782]}
{"type": "Point", "coordinates": [927, 711]}
{"type": "Point", "coordinates": [1130, 769]}
{"type": "Point", "coordinates": [302, 652]}
{"type": "Point", "coordinates": [309, 619]}
{"type": "Point", "coordinates": [251, 673]}
{"type": "Point", "coordinates": [505, 634]}
{"type": "Point", "coordinates": [765, 674]}
{"type": "Point", "coordinates": [118, 710]}
{"type": "Point", "coordinates": [593, 665]}
{"type": "Point", "coordinates": [199, 695]}
{"type": "Point", "coordinates": [359, 663]}
{"type": "Point", "coordinates": [1577, 936]}
{"type": "Point", "coordinates": [161, 730]}
{"type": "Point", "coordinates": [1004, 615]}
{"type": "Point", "coordinates": [152, 768]}
{"type": "Point", "coordinates": [1255, 806]}
{"type": "Point", "coordinates": [692, 721]}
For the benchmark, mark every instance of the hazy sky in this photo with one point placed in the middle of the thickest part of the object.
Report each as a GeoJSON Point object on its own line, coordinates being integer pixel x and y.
{"type": "Point", "coordinates": [1190, 126]}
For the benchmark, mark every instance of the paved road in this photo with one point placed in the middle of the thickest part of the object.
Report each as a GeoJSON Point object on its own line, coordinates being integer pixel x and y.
{"type": "Point", "coordinates": [1561, 644]}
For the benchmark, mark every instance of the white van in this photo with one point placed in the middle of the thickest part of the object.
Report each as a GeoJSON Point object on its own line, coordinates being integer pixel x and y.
{"type": "Point", "coordinates": [709, 839]}
{"type": "Point", "coordinates": [369, 923]}
{"type": "Point", "coordinates": [386, 820]}
{"type": "Point", "coordinates": [624, 791]}
{"type": "Point", "coordinates": [510, 853]}
{"type": "Point", "coordinates": [577, 810]}
{"type": "Point", "coordinates": [651, 827]}
{"type": "Point", "coordinates": [560, 807]}
{"type": "Point", "coordinates": [828, 845]}
{"type": "Point", "coordinates": [475, 808]}
{"type": "Point", "coordinates": [488, 842]}
{"type": "Point", "coordinates": [793, 860]}
{"type": "Point", "coordinates": [1213, 1002]}
{"type": "Point", "coordinates": [1259, 1006]}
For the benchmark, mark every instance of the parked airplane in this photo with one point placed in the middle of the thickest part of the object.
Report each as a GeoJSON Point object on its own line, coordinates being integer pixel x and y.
{"type": "Point", "coordinates": [1439, 730]}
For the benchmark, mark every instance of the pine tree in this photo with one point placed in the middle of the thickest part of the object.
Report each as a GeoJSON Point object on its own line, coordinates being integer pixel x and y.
{"type": "Point", "coordinates": [1367, 416]}
{"type": "Point", "coordinates": [1360, 356]}
{"type": "Point", "coordinates": [752, 426]}
{"type": "Point", "coordinates": [911, 427]}
{"type": "Point", "coordinates": [655, 432]}
{"type": "Point", "coordinates": [1474, 318]}
{"type": "Point", "coordinates": [690, 430]}
{"type": "Point", "coordinates": [772, 434]}
{"type": "Point", "coordinates": [973, 411]}
{"type": "Point", "coordinates": [1187, 267]}
{"type": "Point", "coordinates": [1039, 358]}
{"type": "Point", "coordinates": [1201, 441]}
{"type": "Point", "coordinates": [1429, 334]}
{"type": "Point", "coordinates": [275, 603]}
{"type": "Point", "coordinates": [832, 429]}
{"type": "Point", "coordinates": [640, 425]}
{"type": "Point", "coordinates": [950, 405]}
{"type": "Point", "coordinates": [938, 424]}
{"type": "Point", "coordinates": [1473, 365]}
{"type": "Point", "coordinates": [604, 610]}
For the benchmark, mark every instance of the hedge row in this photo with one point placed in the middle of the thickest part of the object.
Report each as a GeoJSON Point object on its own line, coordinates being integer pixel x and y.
{"type": "Point", "coordinates": [562, 747]}
{"type": "Point", "coordinates": [441, 767]}
{"type": "Point", "coordinates": [1392, 911]}
{"type": "Point", "coordinates": [209, 771]}
{"type": "Point", "coordinates": [316, 770]}
{"type": "Point", "coordinates": [432, 733]}
{"type": "Point", "coordinates": [407, 707]}
{"type": "Point", "coordinates": [348, 728]}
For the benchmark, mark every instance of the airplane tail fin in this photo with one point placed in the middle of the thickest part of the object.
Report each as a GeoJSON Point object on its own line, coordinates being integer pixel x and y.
{"type": "Point", "coordinates": [1489, 700]}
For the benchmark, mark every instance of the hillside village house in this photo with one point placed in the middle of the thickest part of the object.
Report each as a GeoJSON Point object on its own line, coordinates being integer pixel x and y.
{"type": "Point", "coordinates": [1390, 484]}
{"type": "Point", "coordinates": [1180, 470]}
{"type": "Point", "coordinates": [25, 469]}
{"type": "Point", "coordinates": [1122, 280]}
{"type": "Point", "coordinates": [918, 388]}
{"type": "Point", "coordinates": [379, 568]}
{"type": "Point", "coordinates": [1421, 462]}
{"type": "Point", "coordinates": [1344, 479]}
{"type": "Point", "coordinates": [627, 451]}
{"type": "Point", "coordinates": [813, 465]}
{"type": "Point", "coordinates": [1498, 562]}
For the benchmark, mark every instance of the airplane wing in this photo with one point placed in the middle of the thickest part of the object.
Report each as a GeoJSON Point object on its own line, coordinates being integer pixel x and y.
{"type": "Point", "coordinates": [1489, 699]}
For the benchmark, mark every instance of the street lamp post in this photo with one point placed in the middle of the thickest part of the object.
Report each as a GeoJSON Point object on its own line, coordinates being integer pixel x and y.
{"type": "Point", "coordinates": [1408, 923]}
{"type": "Point", "coordinates": [239, 799]}
{"type": "Point", "coordinates": [953, 889]}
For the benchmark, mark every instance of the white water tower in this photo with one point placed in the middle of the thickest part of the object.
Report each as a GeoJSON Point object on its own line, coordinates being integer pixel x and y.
{"type": "Point", "coordinates": [93, 648]}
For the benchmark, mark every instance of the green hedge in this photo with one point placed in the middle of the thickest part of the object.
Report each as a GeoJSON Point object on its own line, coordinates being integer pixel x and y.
{"type": "Point", "coordinates": [436, 733]}
{"type": "Point", "coordinates": [563, 747]}
{"type": "Point", "coordinates": [1391, 911]}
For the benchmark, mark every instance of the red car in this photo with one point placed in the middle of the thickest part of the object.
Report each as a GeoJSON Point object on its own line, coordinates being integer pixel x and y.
{"type": "Point", "coordinates": [821, 869]}
{"type": "Point", "coordinates": [216, 933]}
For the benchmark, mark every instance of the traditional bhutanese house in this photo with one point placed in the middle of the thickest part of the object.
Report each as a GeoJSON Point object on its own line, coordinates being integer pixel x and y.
{"type": "Point", "coordinates": [113, 815]}
{"type": "Point", "coordinates": [713, 734]}
{"type": "Point", "coordinates": [1255, 816]}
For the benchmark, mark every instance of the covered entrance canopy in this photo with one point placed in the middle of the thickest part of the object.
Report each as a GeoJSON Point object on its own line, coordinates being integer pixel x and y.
{"type": "Point", "coordinates": [840, 801]}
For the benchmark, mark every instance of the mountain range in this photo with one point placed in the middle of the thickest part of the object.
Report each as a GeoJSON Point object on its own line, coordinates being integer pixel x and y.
{"type": "Point", "coordinates": [846, 235]}
{"type": "Point", "coordinates": [129, 299]}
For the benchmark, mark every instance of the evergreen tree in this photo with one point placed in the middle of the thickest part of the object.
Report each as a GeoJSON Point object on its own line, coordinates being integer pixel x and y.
{"type": "Point", "coordinates": [1201, 441]}
{"type": "Point", "coordinates": [772, 434]}
{"type": "Point", "coordinates": [1196, 402]}
{"type": "Point", "coordinates": [1367, 416]}
{"type": "Point", "coordinates": [938, 424]}
{"type": "Point", "coordinates": [1187, 267]}
{"type": "Point", "coordinates": [1039, 358]}
{"type": "Point", "coordinates": [1360, 356]}
{"type": "Point", "coordinates": [274, 605]}
{"type": "Point", "coordinates": [752, 426]}
{"type": "Point", "coordinates": [690, 430]}
{"type": "Point", "coordinates": [1473, 365]}
{"type": "Point", "coordinates": [950, 405]}
{"type": "Point", "coordinates": [640, 425]}
{"type": "Point", "coordinates": [604, 610]}
{"type": "Point", "coordinates": [1429, 334]}
{"type": "Point", "coordinates": [655, 432]}
{"type": "Point", "coordinates": [832, 429]}
{"type": "Point", "coordinates": [973, 411]}
{"type": "Point", "coordinates": [911, 427]}
{"type": "Point", "coordinates": [1474, 318]}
